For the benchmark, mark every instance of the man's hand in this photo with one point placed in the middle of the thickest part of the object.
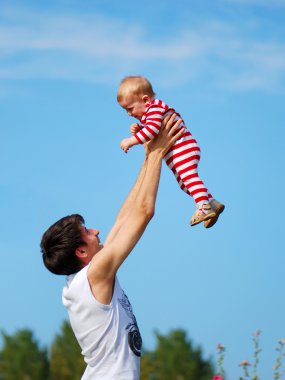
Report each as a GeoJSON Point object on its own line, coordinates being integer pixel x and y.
{"type": "Point", "coordinates": [134, 128]}
{"type": "Point", "coordinates": [167, 136]}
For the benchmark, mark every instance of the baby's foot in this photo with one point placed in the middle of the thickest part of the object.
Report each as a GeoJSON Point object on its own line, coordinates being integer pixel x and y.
{"type": "Point", "coordinates": [204, 212]}
{"type": "Point", "coordinates": [218, 209]}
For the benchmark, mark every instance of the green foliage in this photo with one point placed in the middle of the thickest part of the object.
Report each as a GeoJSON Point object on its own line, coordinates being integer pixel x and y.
{"type": "Point", "coordinates": [174, 358]}
{"type": "Point", "coordinates": [66, 361]}
{"type": "Point", "coordinates": [279, 368]}
{"type": "Point", "coordinates": [21, 358]}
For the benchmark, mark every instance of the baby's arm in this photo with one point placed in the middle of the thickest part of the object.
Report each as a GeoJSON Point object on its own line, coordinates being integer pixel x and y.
{"type": "Point", "coordinates": [147, 131]}
{"type": "Point", "coordinates": [127, 143]}
{"type": "Point", "coordinates": [134, 128]}
{"type": "Point", "coordinates": [152, 124]}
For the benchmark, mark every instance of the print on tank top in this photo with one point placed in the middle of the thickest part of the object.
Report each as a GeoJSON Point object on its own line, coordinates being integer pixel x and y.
{"type": "Point", "coordinates": [134, 336]}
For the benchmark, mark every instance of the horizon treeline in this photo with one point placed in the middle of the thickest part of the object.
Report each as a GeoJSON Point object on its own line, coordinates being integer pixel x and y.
{"type": "Point", "coordinates": [23, 358]}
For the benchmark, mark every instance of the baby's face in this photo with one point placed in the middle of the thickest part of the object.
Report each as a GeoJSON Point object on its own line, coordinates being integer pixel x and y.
{"type": "Point", "coordinates": [134, 105]}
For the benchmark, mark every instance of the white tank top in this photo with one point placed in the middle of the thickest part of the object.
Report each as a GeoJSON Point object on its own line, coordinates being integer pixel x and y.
{"type": "Point", "coordinates": [108, 334]}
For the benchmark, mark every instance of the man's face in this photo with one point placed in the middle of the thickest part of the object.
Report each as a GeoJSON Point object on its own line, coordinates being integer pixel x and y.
{"type": "Point", "coordinates": [134, 105]}
{"type": "Point", "coordinates": [90, 237]}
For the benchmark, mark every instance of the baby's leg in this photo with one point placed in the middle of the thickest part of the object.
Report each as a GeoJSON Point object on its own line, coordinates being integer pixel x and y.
{"type": "Point", "coordinates": [183, 161]}
{"type": "Point", "coordinates": [184, 164]}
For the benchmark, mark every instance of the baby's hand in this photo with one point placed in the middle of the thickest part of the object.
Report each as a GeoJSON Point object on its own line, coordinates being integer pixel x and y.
{"type": "Point", "coordinates": [134, 128]}
{"type": "Point", "coordinates": [126, 144]}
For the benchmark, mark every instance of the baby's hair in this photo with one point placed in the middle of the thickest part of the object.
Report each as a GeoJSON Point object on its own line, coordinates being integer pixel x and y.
{"type": "Point", "coordinates": [135, 85]}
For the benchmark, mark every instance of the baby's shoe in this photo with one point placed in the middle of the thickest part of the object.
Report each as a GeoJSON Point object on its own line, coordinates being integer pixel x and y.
{"type": "Point", "coordinates": [204, 212]}
{"type": "Point", "coordinates": [218, 209]}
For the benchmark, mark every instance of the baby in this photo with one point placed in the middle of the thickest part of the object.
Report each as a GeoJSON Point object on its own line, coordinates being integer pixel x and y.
{"type": "Point", "coordinates": [136, 96]}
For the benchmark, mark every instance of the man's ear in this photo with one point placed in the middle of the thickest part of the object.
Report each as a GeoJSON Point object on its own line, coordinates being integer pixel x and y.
{"type": "Point", "coordinates": [80, 252]}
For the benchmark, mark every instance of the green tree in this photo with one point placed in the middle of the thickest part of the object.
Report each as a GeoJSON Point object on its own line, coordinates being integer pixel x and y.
{"type": "Point", "coordinates": [174, 358]}
{"type": "Point", "coordinates": [21, 357]}
{"type": "Point", "coordinates": [66, 361]}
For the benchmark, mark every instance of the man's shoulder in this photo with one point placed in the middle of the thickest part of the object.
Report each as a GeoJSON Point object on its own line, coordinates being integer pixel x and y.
{"type": "Point", "coordinates": [73, 279]}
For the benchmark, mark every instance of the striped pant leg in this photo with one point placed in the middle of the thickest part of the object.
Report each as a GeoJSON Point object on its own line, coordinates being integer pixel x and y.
{"type": "Point", "coordinates": [184, 165]}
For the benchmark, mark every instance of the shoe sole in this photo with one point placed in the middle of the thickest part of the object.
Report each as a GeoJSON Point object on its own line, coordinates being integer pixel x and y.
{"type": "Point", "coordinates": [207, 217]}
{"type": "Point", "coordinates": [210, 222]}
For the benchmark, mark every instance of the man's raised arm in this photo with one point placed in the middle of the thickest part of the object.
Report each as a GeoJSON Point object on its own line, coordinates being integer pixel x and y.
{"type": "Point", "coordinates": [134, 216]}
{"type": "Point", "coordinates": [131, 198]}
{"type": "Point", "coordinates": [127, 205]}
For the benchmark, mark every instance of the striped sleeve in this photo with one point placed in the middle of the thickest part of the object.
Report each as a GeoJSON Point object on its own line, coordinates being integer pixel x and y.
{"type": "Point", "coordinates": [152, 122]}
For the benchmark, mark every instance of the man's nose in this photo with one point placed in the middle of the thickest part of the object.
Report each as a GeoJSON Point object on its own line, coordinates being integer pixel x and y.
{"type": "Point", "coordinates": [96, 232]}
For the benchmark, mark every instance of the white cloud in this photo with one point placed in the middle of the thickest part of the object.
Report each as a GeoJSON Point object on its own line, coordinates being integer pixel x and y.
{"type": "Point", "coordinates": [88, 35]}
{"type": "Point", "coordinates": [95, 48]}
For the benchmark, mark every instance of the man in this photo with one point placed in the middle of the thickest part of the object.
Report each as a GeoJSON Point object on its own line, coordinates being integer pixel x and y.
{"type": "Point", "coordinates": [100, 313]}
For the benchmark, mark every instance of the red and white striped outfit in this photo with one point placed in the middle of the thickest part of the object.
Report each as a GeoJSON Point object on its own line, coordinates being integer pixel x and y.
{"type": "Point", "coordinates": [183, 157]}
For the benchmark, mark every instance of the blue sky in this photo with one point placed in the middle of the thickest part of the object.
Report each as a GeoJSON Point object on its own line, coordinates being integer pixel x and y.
{"type": "Point", "coordinates": [221, 64]}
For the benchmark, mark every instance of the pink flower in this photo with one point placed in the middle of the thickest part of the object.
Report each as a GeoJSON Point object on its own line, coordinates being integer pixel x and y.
{"type": "Point", "coordinates": [218, 377]}
{"type": "Point", "coordinates": [220, 347]}
{"type": "Point", "coordinates": [244, 363]}
{"type": "Point", "coordinates": [256, 333]}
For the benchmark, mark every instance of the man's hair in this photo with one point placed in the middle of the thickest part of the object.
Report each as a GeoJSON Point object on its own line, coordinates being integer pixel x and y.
{"type": "Point", "coordinates": [135, 85]}
{"type": "Point", "coordinates": [59, 243]}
